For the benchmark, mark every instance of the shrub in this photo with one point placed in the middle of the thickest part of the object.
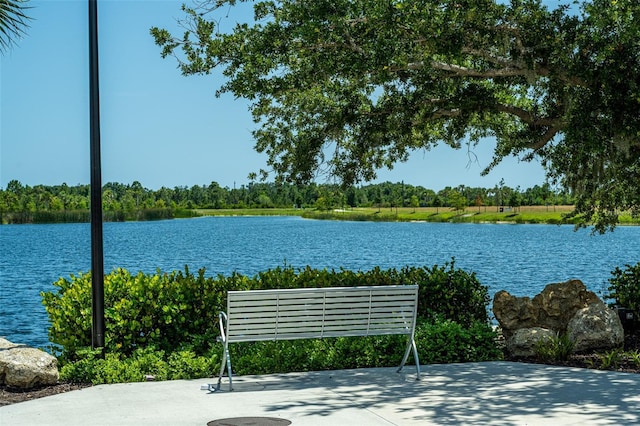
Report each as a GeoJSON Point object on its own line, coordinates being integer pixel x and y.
{"type": "Point", "coordinates": [94, 368]}
{"type": "Point", "coordinates": [557, 348]}
{"type": "Point", "coordinates": [446, 341]}
{"type": "Point", "coordinates": [441, 342]}
{"type": "Point", "coordinates": [625, 289]}
{"type": "Point", "coordinates": [449, 293]}
{"type": "Point", "coordinates": [167, 311]}
{"type": "Point", "coordinates": [317, 354]}
{"type": "Point", "coordinates": [173, 316]}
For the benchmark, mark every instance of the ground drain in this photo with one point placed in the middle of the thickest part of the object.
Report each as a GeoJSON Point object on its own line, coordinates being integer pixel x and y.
{"type": "Point", "coordinates": [250, 421]}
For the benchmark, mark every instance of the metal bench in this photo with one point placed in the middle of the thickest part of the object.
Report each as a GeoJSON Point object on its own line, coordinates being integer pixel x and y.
{"type": "Point", "coordinates": [310, 313]}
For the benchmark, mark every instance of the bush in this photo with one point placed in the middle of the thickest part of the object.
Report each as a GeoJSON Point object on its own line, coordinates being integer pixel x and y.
{"type": "Point", "coordinates": [625, 289]}
{"type": "Point", "coordinates": [445, 292]}
{"type": "Point", "coordinates": [163, 323]}
{"type": "Point", "coordinates": [441, 342]}
{"type": "Point", "coordinates": [317, 354]}
{"type": "Point", "coordinates": [446, 341]}
{"type": "Point", "coordinates": [93, 367]}
{"type": "Point", "coordinates": [166, 311]}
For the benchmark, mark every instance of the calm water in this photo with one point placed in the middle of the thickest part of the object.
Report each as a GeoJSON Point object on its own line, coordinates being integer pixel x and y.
{"type": "Point", "coordinates": [521, 259]}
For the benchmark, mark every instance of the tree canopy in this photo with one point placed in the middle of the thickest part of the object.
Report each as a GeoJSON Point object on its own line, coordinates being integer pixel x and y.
{"type": "Point", "coordinates": [346, 87]}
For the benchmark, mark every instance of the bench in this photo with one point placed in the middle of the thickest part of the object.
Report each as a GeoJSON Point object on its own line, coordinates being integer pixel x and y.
{"type": "Point", "coordinates": [312, 313]}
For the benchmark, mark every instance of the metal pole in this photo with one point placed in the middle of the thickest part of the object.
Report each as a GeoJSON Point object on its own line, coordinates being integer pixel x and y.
{"type": "Point", "coordinates": [97, 261]}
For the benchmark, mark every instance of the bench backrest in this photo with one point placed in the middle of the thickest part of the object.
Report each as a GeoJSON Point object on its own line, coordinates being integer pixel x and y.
{"type": "Point", "coordinates": [287, 314]}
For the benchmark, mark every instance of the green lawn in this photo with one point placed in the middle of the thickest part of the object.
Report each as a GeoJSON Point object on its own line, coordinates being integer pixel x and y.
{"type": "Point", "coordinates": [489, 214]}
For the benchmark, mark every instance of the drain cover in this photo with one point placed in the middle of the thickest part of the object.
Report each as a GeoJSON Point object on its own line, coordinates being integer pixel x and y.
{"type": "Point", "coordinates": [250, 421]}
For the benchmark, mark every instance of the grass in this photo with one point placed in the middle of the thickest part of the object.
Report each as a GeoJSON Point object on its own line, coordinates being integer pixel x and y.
{"type": "Point", "coordinates": [528, 214]}
{"type": "Point", "coordinates": [249, 212]}
{"type": "Point", "coordinates": [489, 214]}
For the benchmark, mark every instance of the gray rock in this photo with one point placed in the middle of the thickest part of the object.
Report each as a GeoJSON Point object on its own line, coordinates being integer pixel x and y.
{"type": "Point", "coordinates": [523, 341]}
{"type": "Point", "coordinates": [552, 308]}
{"type": "Point", "coordinates": [25, 367]}
{"type": "Point", "coordinates": [596, 327]}
{"type": "Point", "coordinates": [561, 308]}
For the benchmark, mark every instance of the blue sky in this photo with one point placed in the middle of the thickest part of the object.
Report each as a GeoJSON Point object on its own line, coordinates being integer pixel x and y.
{"type": "Point", "coordinates": [157, 127]}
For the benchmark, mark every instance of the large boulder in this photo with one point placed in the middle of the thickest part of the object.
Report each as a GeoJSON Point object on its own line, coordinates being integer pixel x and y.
{"type": "Point", "coordinates": [523, 341]}
{"type": "Point", "coordinates": [595, 327]}
{"type": "Point", "coordinates": [514, 313]}
{"type": "Point", "coordinates": [566, 308]}
{"type": "Point", "coordinates": [25, 367]}
{"type": "Point", "coordinates": [559, 302]}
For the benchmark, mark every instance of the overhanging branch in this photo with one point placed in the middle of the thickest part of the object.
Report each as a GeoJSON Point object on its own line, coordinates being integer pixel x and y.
{"type": "Point", "coordinates": [526, 116]}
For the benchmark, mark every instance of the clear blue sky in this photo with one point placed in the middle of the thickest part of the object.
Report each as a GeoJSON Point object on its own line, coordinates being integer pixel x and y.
{"type": "Point", "coordinates": [157, 127]}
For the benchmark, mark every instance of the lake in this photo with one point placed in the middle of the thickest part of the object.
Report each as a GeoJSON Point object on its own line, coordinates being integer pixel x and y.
{"type": "Point", "coordinates": [521, 259]}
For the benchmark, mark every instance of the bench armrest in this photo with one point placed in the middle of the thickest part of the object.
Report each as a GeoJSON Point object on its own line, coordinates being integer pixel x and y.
{"type": "Point", "coordinates": [224, 326]}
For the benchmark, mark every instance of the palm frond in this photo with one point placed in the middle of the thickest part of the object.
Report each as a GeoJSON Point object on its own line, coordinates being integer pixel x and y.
{"type": "Point", "coordinates": [13, 22]}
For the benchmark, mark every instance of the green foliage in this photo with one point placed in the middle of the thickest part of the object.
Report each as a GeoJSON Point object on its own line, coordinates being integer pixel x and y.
{"type": "Point", "coordinates": [448, 341]}
{"type": "Point", "coordinates": [166, 310]}
{"type": "Point", "coordinates": [350, 87]}
{"type": "Point", "coordinates": [13, 22]}
{"type": "Point", "coordinates": [449, 293]}
{"type": "Point", "coordinates": [92, 367]}
{"type": "Point", "coordinates": [163, 324]}
{"type": "Point", "coordinates": [445, 292]}
{"type": "Point", "coordinates": [610, 360]}
{"type": "Point", "coordinates": [62, 203]}
{"type": "Point", "coordinates": [442, 341]}
{"type": "Point", "coordinates": [625, 289]}
{"type": "Point", "coordinates": [615, 359]}
{"type": "Point", "coordinates": [317, 354]}
{"type": "Point", "coordinates": [557, 348]}
{"type": "Point", "coordinates": [457, 201]}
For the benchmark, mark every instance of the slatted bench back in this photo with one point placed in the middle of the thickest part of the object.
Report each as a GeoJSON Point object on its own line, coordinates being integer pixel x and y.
{"type": "Point", "coordinates": [288, 314]}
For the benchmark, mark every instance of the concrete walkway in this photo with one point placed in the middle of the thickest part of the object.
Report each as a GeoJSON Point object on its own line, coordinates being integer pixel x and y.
{"type": "Point", "coordinates": [493, 393]}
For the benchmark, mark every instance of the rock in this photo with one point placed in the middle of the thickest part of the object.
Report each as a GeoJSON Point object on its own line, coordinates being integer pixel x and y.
{"type": "Point", "coordinates": [566, 308]}
{"type": "Point", "coordinates": [551, 309]}
{"type": "Point", "coordinates": [559, 302]}
{"type": "Point", "coordinates": [25, 367]}
{"type": "Point", "coordinates": [513, 313]}
{"type": "Point", "coordinates": [524, 340]}
{"type": "Point", "coordinates": [595, 327]}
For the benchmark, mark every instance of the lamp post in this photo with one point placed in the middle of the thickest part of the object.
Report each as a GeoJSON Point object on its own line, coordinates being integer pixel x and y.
{"type": "Point", "coordinates": [97, 261]}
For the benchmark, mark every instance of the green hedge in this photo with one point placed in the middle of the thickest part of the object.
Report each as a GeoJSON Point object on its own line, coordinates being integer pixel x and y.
{"type": "Point", "coordinates": [440, 342]}
{"type": "Point", "coordinates": [177, 313]}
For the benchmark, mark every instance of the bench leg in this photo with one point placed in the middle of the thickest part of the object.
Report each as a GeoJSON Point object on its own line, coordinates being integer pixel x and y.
{"type": "Point", "coordinates": [226, 361]}
{"type": "Point", "coordinates": [411, 344]}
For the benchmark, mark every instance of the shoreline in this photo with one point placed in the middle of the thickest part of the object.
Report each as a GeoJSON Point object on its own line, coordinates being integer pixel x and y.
{"type": "Point", "coordinates": [528, 215]}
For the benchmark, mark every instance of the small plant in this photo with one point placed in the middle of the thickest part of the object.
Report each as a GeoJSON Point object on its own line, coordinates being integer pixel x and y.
{"type": "Point", "coordinates": [610, 360]}
{"type": "Point", "coordinates": [634, 357]}
{"type": "Point", "coordinates": [557, 348]}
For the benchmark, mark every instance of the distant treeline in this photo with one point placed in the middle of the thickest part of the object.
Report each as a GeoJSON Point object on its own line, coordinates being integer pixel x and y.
{"type": "Point", "coordinates": [63, 203]}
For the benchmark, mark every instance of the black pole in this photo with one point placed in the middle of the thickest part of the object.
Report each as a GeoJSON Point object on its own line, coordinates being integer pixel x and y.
{"type": "Point", "coordinates": [97, 262]}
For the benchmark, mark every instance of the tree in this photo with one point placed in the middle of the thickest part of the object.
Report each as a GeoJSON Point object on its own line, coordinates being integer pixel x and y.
{"type": "Point", "coordinates": [13, 22]}
{"type": "Point", "coordinates": [457, 200]}
{"type": "Point", "coordinates": [349, 86]}
{"type": "Point", "coordinates": [515, 200]}
{"type": "Point", "coordinates": [478, 202]}
{"type": "Point", "coordinates": [437, 202]}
